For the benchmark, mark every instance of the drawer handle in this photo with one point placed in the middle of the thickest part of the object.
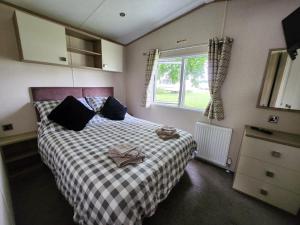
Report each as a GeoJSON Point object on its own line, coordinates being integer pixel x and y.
{"type": "Point", "coordinates": [276, 154]}
{"type": "Point", "coordinates": [269, 174]}
{"type": "Point", "coordinates": [63, 59]}
{"type": "Point", "coordinates": [263, 192]}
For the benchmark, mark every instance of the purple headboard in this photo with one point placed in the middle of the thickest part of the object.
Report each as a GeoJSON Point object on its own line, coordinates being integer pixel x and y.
{"type": "Point", "coordinates": [59, 93]}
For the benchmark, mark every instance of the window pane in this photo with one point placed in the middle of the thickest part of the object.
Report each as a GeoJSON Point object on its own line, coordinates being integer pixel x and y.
{"type": "Point", "coordinates": [196, 93]}
{"type": "Point", "coordinates": [167, 82]}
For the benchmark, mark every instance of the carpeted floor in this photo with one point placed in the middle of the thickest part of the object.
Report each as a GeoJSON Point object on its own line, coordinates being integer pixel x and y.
{"type": "Point", "coordinates": [203, 197]}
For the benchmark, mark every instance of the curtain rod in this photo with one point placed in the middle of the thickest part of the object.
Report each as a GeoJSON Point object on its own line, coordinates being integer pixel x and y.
{"type": "Point", "coordinates": [187, 47]}
{"type": "Point", "coordinates": [181, 48]}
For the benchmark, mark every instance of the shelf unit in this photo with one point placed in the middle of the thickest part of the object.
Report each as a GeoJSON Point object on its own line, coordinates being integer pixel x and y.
{"type": "Point", "coordinates": [46, 42]}
{"type": "Point", "coordinates": [84, 50]}
{"type": "Point", "coordinates": [20, 153]}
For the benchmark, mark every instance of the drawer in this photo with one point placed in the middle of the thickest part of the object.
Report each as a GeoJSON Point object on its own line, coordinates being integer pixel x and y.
{"type": "Point", "coordinates": [270, 173]}
{"type": "Point", "coordinates": [278, 154]}
{"type": "Point", "coordinates": [268, 193]}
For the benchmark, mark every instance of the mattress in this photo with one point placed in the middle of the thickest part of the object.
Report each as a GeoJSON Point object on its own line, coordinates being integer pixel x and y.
{"type": "Point", "coordinates": [99, 191]}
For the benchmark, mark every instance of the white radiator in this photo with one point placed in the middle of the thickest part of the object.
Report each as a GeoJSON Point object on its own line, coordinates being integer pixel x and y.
{"type": "Point", "coordinates": [212, 142]}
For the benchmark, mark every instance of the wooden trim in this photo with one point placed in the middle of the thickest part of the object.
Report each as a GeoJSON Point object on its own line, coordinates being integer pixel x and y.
{"type": "Point", "coordinates": [81, 34]}
{"type": "Point", "coordinates": [88, 67]}
{"type": "Point", "coordinates": [82, 51]}
{"type": "Point", "coordinates": [67, 26]}
{"type": "Point", "coordinates": [262, 86]}
{"type": "Point", "coordinates": [45, 63]}
{"type": "Point", "coordinates": [17, 138]}
{"type": "Point", "coordinates": [279, 137]}
{"type": "Point", "coordinates": [173, 20]}
{"type": "Point", "coordinates": [19, 45]}
{"type": "Point", "coordinates": [279, 109]}
{"type": "Point", "coordinates": [67, 66]}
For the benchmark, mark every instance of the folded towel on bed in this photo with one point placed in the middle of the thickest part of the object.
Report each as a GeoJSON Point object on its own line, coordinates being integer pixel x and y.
{"type": "Point", "coordinates": [126, 154]}
{"type": "Point", "coordinates": [167, 133]}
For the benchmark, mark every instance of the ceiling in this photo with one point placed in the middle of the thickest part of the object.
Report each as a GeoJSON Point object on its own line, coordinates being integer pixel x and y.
{"type": "Point", "coordinates": [102, 16]}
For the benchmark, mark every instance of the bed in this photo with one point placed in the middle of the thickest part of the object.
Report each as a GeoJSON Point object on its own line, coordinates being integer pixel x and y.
{"type": "Point", "coordinates": [99, 191]}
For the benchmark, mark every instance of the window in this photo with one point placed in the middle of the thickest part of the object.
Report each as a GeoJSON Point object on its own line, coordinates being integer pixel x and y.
{"type": "Point", "coordinates": [182, 82]}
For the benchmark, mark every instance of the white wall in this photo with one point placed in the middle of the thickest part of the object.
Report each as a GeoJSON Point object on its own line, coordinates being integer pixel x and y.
{"type": "Point", "coordinates": [16, 77]}
{"type": "Point", "coordinates": [255, 26]}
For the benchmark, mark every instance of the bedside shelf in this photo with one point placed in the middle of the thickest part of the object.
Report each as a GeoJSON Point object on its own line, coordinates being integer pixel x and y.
{"type": "Point", "coordinates": [17, 138]}
{"type": "Point", "coordinates": [22, 156]}
{"type": "Point", "coordinates": [20, 153]}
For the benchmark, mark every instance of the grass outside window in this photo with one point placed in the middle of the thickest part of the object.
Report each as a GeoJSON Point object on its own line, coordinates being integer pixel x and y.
{"type": "Point", "coordinates": [182, 82]}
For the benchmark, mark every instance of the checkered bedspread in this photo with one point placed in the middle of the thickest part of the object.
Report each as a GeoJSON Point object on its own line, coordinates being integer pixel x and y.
{"type": "Point", "coordinates": [99, 191]}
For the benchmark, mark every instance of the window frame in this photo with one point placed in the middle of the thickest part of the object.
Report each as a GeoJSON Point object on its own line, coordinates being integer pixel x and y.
{"type": "Point", "coordinates": [181, 95]}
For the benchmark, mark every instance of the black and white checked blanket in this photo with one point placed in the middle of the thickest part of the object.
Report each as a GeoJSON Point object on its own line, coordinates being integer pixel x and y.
{"type": "Point", "coordinates": [99, 191]}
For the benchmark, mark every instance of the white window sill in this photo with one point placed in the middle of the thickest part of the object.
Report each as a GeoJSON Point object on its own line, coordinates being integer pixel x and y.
{"type": "Point", "coordinates": [177, 107]}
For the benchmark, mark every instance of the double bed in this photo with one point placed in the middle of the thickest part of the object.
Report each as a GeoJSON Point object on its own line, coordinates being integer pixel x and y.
{"type": "Point", "coordinates": [98, 190]}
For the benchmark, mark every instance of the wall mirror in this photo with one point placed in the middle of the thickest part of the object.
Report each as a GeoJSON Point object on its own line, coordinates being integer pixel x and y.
{"type": "Point", "coordinates": [281, 85]}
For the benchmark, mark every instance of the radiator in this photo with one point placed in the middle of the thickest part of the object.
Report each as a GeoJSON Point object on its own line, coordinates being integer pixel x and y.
{"type": "Point", "coordinates": [212, 143]}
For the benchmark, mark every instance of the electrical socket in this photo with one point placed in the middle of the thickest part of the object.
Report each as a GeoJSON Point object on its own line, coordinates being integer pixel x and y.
{"type": "Point", "coordinates": [7, 127]}
{"type": "Point", "coordinates": [273, 119]}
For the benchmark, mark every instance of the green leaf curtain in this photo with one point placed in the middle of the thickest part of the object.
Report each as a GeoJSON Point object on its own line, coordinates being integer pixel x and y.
{"type": "Point", "coordinates": [218, 63]}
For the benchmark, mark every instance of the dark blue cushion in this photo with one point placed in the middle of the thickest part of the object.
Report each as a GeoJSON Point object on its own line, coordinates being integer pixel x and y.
{"type": "Point", "coordinates": [71, 114]}
{"type": "Point", "coordinates": [113, 109]}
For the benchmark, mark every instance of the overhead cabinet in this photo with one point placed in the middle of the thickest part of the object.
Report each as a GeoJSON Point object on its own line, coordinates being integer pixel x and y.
{"type": "Point", "coordinates": [41, 40]}
{"type": "Point", "coordinates": [47, 42]}
{"type": "Point", "coordinates": [112, 56]}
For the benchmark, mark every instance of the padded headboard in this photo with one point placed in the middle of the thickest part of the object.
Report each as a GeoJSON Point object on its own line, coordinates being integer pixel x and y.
{"type": "Point", "coordinates": [60, 93]}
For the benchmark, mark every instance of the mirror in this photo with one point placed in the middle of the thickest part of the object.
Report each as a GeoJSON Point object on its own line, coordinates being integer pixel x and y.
{"type": "Point", "coordinates": [281, 85]}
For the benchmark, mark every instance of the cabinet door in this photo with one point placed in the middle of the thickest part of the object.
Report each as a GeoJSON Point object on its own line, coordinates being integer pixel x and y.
{"type": "Point", "coordinates": [41, 40]}
{"type": "Point", "coordinates": [112, 56]}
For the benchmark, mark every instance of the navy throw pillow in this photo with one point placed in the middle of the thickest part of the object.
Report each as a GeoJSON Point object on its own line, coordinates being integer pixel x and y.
{"type": "Point", "coordinates": [113, 109]}
{"type": "Point", "coordinates": [71, 114]}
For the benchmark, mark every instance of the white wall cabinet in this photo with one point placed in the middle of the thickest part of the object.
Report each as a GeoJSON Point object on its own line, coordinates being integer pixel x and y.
{"type": "Point", "coordinates": [41, 40]}
{"type": "Point", "coordinates": [112, 56]}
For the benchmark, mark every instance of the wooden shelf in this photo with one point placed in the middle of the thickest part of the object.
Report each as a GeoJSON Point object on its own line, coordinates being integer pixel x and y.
{"type": "Point", "coordinates": [35, 167]}
{"type": "Point", "coordinates": [81, 51]}
{"type": "Point", "coordinates": [81, 34]}
{"type": "Point", "coordinates": [20, 157]}
{"type": "Point", "coordinates": [17, 138]}
{"type": "Point", "coordinates": [85, 67]}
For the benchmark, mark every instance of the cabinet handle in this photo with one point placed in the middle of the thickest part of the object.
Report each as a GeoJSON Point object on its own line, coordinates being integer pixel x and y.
{"type": "Point", "coordinates": [263, 192]}
{"type": "Point", "coordinates": [63, 59]}
{"type": "Point", "coordinates": [269, 174]}
{"type": "Point", "coordinates": [276, 154]}
{"type": "Point", "coordinates": [104, 65]}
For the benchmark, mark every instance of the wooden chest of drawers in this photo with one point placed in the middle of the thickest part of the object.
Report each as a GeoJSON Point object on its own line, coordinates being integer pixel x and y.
{"type": "Point", "coordinates": [269, 168]}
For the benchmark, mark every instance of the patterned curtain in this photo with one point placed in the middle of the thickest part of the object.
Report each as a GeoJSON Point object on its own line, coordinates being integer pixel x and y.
{"type": "Point", "coordinates": [149, 78]}
{"type": "Point", "coordinates": [218, 62]}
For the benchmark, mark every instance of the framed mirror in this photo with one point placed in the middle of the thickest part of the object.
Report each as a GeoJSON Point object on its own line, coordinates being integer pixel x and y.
{"type": "Point", "coordinates": [281, 84]}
